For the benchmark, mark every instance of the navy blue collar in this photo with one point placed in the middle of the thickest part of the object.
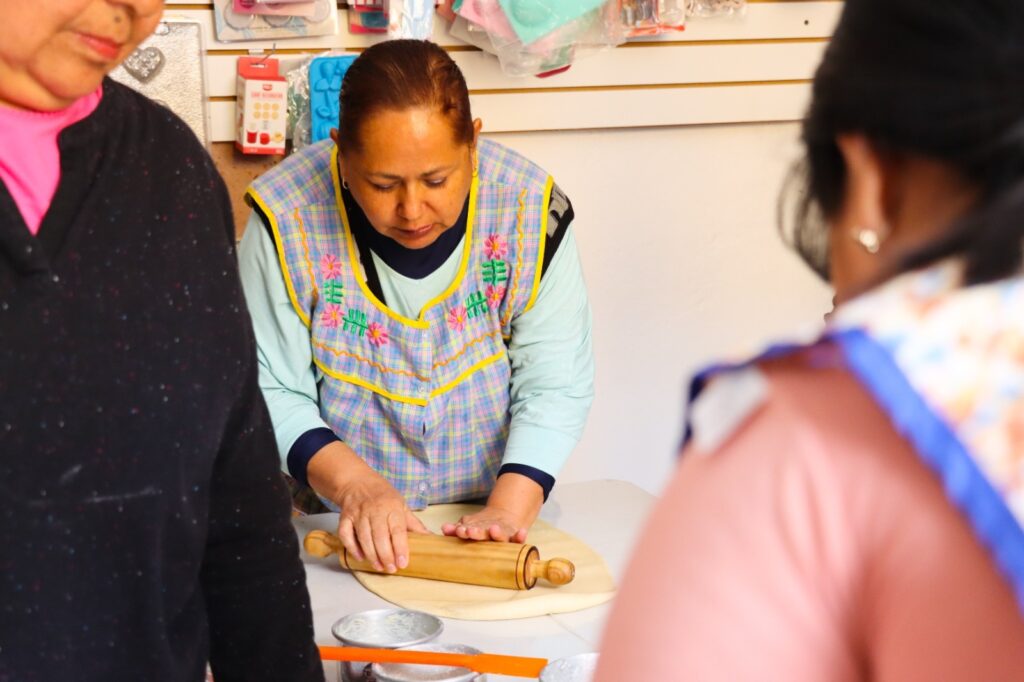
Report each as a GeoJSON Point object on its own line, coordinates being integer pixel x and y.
{"type": "Point", "coordinates": [411, 263]}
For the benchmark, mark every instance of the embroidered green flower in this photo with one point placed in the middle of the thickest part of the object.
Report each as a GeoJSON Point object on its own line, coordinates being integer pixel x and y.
{"type": "Point", "coordinates": [494, 271]}
{"type": "Point", "coordinates": [355, 322]}
{"type": "Point", "coordinates": [334, 291]}
{"type": "Point", "coordinates": [476, 304]}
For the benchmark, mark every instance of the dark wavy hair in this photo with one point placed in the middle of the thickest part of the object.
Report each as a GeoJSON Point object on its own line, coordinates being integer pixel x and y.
{"type": "Point", "coordinates": [401, 74]}
{"type": "Point", "coordinates": [938, 79]}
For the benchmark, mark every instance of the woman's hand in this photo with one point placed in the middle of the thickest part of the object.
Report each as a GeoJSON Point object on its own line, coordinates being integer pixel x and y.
{"type": "Point", "coordinates": [511, 509]}
{"type": "Point", "coordinates": [374, 519]}
{"type": "Point", "coordinates": [490, 523]}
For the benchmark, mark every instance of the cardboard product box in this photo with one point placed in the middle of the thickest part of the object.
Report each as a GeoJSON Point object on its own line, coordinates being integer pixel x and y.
{"type": "Point", "coordinates": [262, 104]}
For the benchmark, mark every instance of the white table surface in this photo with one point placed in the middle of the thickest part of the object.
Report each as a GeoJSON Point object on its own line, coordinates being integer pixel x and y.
{"type": "Point", "coordinates": [607, 515]}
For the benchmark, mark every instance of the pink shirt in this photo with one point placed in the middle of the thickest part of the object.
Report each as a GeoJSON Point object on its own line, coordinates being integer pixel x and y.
{"type": "Point", "coordinates": [29, 157]}
{"type": "Point", "coordinates": [812, 545]}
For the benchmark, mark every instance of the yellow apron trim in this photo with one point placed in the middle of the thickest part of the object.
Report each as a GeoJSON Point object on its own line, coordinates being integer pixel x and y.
{"type": "Point", "coordinates": [466, 251]}
{"type": "Point", "coordinates": [367, 385]}
{"type": "Point", "coordinates": [543, 242]}
{"type": "Point", "coordinates": [353, 252]}
{"type": "Point", "coordinates": [407, 399]}
{"type": "Point", "coordinates": [368, 361]}
{"type": "Point", "coordinates": [520, 212]}
{"type": "Point", "coordinates": [465, 348]}
{"type": "Point", "coordinates": [280, 256]}
{"type": "Point", "coordinates": [314, 291]}
{"type": "Point", "coordinates": [465, 375]}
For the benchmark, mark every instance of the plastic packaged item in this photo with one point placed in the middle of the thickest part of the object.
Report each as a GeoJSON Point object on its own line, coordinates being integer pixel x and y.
{"type": "Point", "coordinates": [597, 30]}
{"type": "Point", "coordinates": [411, 19]}
{"type": "Point", "coordinates": [651, 17]}
{"type": "Point", "coordinates": [715, 8]}
{"type": "Point", "coordinates": [261, 102]}
{"type": "Point", "coordinates": [488, 16]}
{"type": "Point", "coordinates": [169, 68]}
{"type": "Point", "coordinates": [298, 9]}
{"type": "Point", "coordinates": [533, 19]}
{"type": "Point", "coordinates": [485, 24]}
{"type": "Point", "coordinates": [445, 10]}
{"type": "Point", "coordinates": [230, 24]}
{"type": "Point", "coordinates": [299, 118]}
{"type": "Point", "coordinates": [367, 22]}
{"type": "Point", "coordinates": [325, 76]}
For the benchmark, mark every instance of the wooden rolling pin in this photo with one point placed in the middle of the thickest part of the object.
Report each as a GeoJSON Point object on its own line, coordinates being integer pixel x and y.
{"type": "Point", "coordinates": [439, 557]}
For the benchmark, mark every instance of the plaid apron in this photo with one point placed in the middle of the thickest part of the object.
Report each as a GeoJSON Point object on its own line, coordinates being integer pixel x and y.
{"type": "Point", "coordinates": [423, 401]}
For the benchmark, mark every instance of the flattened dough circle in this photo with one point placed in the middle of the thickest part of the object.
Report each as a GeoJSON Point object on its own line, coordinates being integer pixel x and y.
{"type": "Point", "coordinates": [593, 584]}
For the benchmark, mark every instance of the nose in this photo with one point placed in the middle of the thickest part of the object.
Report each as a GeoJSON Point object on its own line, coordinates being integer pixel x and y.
{"type": "Point", "coordinates": [410, 203]}
{"type": "Point", "coordinates": [128, 9]}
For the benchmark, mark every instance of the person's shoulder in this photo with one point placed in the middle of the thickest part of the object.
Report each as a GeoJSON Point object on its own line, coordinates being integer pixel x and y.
{"type": "Point", "coordinates": [302, 177]}
{"type": "Point", "coordinates": [149, 124]}
{"type": "Point", "coordinates": [506, 166]}
{"type": "Point", "coordinates": [802, 412]}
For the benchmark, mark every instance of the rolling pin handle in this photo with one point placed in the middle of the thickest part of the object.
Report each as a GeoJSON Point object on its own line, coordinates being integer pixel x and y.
{"type": "Point", "coordinates": [555, 571]}
{"type": "Point", "coordinates": [320, 543]}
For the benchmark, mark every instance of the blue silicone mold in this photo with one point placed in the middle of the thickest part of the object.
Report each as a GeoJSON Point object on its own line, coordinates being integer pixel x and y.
{"type": "Point", "coordinates": [325, 74]}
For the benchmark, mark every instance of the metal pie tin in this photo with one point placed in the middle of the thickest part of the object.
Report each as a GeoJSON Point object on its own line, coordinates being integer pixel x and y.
{"type": "Point", "coordinates": [408, 672]}
{"type": "Point", "coordinates": [382, 629]}
{"type": "Point", "coordinates": [578, 668]}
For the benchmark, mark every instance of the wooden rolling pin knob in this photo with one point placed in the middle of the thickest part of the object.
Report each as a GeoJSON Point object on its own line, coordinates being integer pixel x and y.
{"type": "Point", "coordinates": [555, 571]}
{"type": "Point", "coordinates": [507, 565]}
{"type": "Point", "coordinates": [322, 544]}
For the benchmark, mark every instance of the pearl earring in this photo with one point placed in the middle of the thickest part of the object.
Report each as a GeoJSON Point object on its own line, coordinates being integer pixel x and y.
{"type": "Point", "coordinates": [870, 240]}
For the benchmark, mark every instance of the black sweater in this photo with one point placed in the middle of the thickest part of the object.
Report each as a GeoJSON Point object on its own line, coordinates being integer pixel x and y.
{"type": "Point", "coordinates": [144, 525]}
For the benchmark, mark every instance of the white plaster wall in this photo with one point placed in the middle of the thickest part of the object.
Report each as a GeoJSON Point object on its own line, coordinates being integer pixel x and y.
{"type": "Point", "coordinates": [676, 229]}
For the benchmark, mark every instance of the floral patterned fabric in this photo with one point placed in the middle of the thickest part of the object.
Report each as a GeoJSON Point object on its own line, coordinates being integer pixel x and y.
{"type": "Point", "coordinates": [946, 364]}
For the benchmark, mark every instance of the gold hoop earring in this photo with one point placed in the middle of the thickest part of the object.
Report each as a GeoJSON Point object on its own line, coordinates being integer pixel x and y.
{"type": "Point", "coordinates": [869, 240]}
{"type": "Point", "coordinates": [344, 183]}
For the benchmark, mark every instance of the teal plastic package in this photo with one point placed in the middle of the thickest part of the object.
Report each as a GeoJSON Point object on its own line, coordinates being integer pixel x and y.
{"type": "Point", "coordinates": [325, 75]}
{"type": "Point", "coordinates": [533, 19]}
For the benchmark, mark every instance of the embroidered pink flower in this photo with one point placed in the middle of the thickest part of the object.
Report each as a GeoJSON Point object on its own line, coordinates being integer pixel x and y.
{"type": "Point", "coordinates": [494, 295]}
{"type": "Point", "coordinates": [376, 335]}
{"type": "Point", "coordinates": [330, 266]}
{"type": "Point", "coordinates": [457, 318]}
{"type": "Point", "coordinates": [495, 246]}
{"type": "Point", "coordinates": [331, 316]}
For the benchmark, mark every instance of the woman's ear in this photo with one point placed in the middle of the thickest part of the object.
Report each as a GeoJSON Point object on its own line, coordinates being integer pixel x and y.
{"type": "Point", "coordinates": [477, 126]}
{"type": "Point", "coordinates": [864, 202]}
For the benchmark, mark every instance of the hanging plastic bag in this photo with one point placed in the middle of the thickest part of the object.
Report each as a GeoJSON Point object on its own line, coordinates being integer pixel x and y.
{"type": "Point", "coordinates": [553, 51]}
{"type": "Point", "coordinates": [652, 17]}
{"type": "Point", "coordinates": [411, 19]}
{"type": "Point", "coordinates": [715, 8]}
{"type": "Point", "coordinates": [300, 120]}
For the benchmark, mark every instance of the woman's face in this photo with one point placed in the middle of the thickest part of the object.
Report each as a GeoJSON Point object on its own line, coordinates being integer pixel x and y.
{"type": "Point", "coordinates": [56, 51]}
{"type": "Point", "coordinates": [409, 175]}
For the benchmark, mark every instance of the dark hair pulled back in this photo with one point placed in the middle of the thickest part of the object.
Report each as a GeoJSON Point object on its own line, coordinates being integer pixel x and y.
{"type": "Point", "coordinates": [402, 74]}
{"type": "Point", "coordinates": [939, 79]}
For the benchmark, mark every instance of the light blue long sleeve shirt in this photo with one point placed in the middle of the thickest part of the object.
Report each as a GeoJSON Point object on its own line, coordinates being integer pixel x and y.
{"type": "Point", "coordinates": [551, 354]}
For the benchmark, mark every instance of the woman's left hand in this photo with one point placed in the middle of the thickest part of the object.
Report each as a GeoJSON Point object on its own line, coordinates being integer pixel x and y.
{"type": "Point", "coordinates": [511, 509]}
{"type": "Point", "coordinates": [489, 523]}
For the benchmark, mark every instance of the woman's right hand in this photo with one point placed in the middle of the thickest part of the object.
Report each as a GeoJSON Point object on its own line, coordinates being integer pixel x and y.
{"type": "Point", "coordinates": [375, 520]}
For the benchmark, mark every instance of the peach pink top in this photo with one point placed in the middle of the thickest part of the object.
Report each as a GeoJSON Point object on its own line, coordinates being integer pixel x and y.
{"type": "Point", "coordinates": [812, 545]}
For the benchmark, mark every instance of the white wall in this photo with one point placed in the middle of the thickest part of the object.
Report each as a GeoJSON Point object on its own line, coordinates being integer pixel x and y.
{"type": "Point", "coordinates": [676, 229]}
